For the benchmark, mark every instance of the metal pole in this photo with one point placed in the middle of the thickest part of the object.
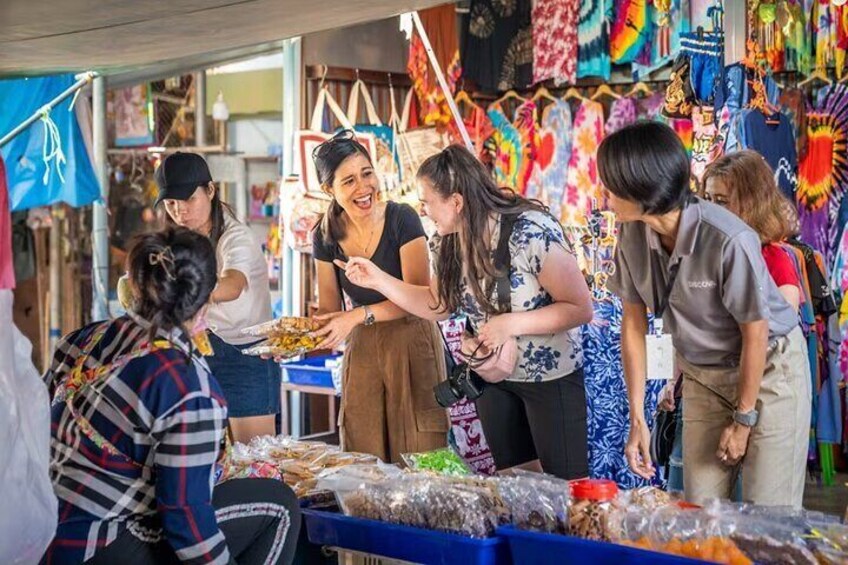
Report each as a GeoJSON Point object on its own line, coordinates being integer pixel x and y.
{"type": "Point", "coordinates": [55, 277]}
{"type": "Point", "coordinates": [460, 124]}
{"type": "Point", "coordinates": [289, 260]}
{"type": "Point", "coordinates": [200, 108]}
{"type": "Point", "coordinates": [82, 80]}
{"type": "Point", "coordinates": [100, 234]}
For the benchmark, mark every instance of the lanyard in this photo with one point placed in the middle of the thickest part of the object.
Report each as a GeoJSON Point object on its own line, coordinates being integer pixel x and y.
{"type": "Point", "coordinates": [661, 302]}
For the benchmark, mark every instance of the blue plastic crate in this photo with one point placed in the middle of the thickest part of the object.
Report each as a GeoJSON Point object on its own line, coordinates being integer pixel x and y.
{"type": "Point", "coordinates": [311, 371]}
{"type": "Point", "coordinates": [533, 548]}
{"type": "Point", "coordinates": [415, 545]}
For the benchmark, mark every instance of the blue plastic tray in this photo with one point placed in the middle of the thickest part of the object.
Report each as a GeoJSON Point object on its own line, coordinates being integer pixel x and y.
{"type": "Point", "coordinates": [533, 548]}
{"type": "Point", "coordinates": [311, 371]}
{"type": "Point", "coordinates": [415, 545]}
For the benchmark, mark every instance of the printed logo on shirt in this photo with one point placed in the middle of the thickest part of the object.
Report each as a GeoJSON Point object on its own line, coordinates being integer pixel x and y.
{"type": "Point", "coordinates": [702, 285]}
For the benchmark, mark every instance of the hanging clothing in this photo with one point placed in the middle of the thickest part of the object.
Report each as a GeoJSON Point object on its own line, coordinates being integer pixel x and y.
{"type": "Point", "coordinates": [622, 113]}
{"type": "Point", "coordinates": [555, 40]}
{"type": "Point", "coordinates": [550, 175]}
{"type": "Point", "coordinates": [506, 147]}
{"type": "Point", "coordinates": [708, 144]}
{"type": "Point", "coordinates": [7, 262]}
{"type": "Point", "coordinates": [517, 68]}
{"type": "Point", "coordinates": [630, 31]}
{"type": "Point", "coordinates": [772, 138]}
{"type": "Point", "coordinates": [664, 42]}
{"type": "Point", "coordinates": [491, 29]}
{"type": "Point", "coordinates": [584, 184]}
{"type": "Point", "coordinates": [525, 124]}
{"type": "Point", "coordinates": [593, 58]}
{"type": "Point", "coordinates": [440, 25]}
{"type": "Point", "coordinates": [479, 128]}
{"type": "Point", "coordinates": [793, 103]}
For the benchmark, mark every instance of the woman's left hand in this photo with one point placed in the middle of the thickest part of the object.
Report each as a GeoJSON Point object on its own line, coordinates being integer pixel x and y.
{"type": "Point", "coordinates": [336, 327]}
{"type": "Point", "coordinates": [495, 332]}
{"type": "Point", "coordinates": [733, 444]}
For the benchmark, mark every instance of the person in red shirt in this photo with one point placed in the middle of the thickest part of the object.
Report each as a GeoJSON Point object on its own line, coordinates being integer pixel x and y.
{"type": "Point", "coordinates": [743, 182]}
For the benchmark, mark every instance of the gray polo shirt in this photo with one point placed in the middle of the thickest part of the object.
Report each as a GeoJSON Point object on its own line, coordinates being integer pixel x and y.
{"type": "Point", "coordinates": [722, 282]}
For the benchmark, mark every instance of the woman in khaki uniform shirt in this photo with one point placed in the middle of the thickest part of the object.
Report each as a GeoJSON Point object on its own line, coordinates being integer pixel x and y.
{"type": "Point", "coordinates": [746, 379]}
{"type": "Point", "coordinates": [392, 360]}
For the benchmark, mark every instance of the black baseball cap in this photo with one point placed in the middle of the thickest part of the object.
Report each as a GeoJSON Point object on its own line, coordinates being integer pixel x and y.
{"type": "Point", "coordinates": [179, 175]}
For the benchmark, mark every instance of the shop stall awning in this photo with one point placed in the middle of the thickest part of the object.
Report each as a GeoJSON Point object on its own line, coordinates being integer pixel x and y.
{"type": "Point", "coordinates": [112, 36]}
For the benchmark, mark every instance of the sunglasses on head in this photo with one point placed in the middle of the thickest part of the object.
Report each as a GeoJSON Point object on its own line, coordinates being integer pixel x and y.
{"type": "Point", "coordinates": [343, 135]}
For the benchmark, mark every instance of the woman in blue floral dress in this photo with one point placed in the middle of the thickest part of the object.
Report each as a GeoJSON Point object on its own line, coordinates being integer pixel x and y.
{"type": "Point", "coordinates": [536, 416]}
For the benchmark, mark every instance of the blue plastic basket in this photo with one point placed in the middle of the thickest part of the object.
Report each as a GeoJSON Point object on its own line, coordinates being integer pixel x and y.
{"type": "Point", "coordinates": [533, 548]}
{"type": "Point", "coordinates": [311, 371]}
{"type": "Point", "coordinates": [415, 545]}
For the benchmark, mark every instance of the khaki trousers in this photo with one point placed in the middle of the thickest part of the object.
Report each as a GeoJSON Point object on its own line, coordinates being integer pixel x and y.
{"type": "Point", "coordinates": [388, 405]}
{"type": "Point", "coordinates": [774, 466]}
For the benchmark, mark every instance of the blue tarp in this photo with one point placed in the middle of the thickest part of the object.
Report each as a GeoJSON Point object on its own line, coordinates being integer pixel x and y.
{"type": "Point", "coordinates": [25, 167]}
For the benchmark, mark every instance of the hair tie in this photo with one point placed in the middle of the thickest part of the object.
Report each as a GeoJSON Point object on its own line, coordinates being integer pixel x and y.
{"type": "Point", "coordinates": [165, 258]}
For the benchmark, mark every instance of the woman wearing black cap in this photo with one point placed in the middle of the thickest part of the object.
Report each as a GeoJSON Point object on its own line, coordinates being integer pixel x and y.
{"type": "Point", "coordinates": [241, 299]}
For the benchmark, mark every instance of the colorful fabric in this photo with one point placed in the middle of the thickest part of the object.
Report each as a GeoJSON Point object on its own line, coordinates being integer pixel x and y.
{"type": "Point", "coordinates": [685, 131]}
{"type": "Point", "coordinates": [664, 44]}
{"type": "Point", "coordinates": [823, 173]}
{"type": "Point", "coordinates": [593, 51]}
{"type": "Point", "coordinates": [550, 175]}
{"type": "Point", "coordinates": [708, 144]}
{"type": "Point", "coordinates": [606, 396]}
{"type": "Point", "coordinates": [431, 99]}
{"type": "Point", "coordinates": [466, 435]}
{"type": "Point", "coordinates": [507, 150]}
{"type": "Point", "coordinates": [584, 185]}
{"type": "Point", "coordinates": [491, 35]}
{"type": "Point", "coordinates": [555, 40]}
{"type": "Point", "coordinates": [142, 458]}
{"type": "Point", "coordinates": [772, 138]}
{"type": "Point", "coordinates": [622, 113]}
{"type": "Point", "coordinates": [525, 124]}
{"type": "Point", "coordinates": [706, 55]}
{"type": "Point", "coordinates": [479, 128]}
{"type": "Point", "coordinates": [630, 31]}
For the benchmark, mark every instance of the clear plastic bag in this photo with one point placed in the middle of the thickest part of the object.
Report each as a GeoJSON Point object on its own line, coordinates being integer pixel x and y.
{"type": "Point", "coordinates": [536, 502]}
{"type": "Point", "coordinates": [443, 461]}
{"type": "Point", "coordinates": [470, 507]}
{"type": "Point", "coordinates": [29, 511]}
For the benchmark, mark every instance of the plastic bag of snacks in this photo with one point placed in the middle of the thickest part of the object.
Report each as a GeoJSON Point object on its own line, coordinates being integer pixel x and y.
{"type": "Point", "coordinates": [460, 506]}
{"type": "Point", "coordinates": [285, 337]}
{"type": "Point", "coordinates": [441, 461]}
{"type": "Point", "coordinates": [536, 502]}
{"type": "Point", "coordinates": [693, 532]}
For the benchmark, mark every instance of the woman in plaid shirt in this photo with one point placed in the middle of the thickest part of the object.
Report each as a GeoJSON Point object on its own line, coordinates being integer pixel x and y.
{"type": "Point", "coordinates": [138, 423]}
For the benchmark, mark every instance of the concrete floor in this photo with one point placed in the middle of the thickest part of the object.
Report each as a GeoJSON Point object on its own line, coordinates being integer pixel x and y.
{"type": "Point", "coordinates": [830, 500]}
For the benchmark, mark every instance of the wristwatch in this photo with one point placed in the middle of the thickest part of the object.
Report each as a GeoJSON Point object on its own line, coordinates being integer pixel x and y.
{"type": "Point", "coordinates": [748, 419]}
{"type": "Point", "coordinates": [369, 316]}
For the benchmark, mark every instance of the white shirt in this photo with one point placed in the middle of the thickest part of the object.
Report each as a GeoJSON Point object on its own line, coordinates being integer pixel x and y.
{"type": "Point", "coordinates": [239, 251]}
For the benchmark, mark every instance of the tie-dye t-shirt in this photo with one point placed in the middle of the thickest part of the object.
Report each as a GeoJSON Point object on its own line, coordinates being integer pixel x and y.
{"type": "Point", "coordinates": [593, 58]}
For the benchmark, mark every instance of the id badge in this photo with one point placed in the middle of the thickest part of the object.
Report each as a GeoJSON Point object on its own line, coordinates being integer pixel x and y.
{"type": "Point", "coordinates": [660, 351]}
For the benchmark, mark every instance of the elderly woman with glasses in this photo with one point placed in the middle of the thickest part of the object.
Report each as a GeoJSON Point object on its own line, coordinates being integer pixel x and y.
{"type": "Point", "coordinates": [392, 360]}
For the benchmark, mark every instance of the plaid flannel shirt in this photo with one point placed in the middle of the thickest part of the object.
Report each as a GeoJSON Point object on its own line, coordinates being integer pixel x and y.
{"type": "Point", "coordinates": [135, 449]}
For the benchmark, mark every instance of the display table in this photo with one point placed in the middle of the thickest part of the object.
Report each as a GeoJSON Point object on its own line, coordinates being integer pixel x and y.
{"type": "Point", "coordinates": [329, 392]}
{"type": "Point", "coordinates": [510, 545]}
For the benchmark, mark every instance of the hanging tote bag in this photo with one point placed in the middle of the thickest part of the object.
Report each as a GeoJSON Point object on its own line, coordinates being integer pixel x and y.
{"type": "Point", "coordinates": [416, 145]}
{"type": "Point", "coordinates": [307, 140]}
{"type": "Point", "coordinates": [384, 135]}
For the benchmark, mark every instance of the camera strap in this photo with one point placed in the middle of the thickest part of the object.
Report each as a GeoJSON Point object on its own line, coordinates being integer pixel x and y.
{"type": "Point", "coordinates": [503, 263]}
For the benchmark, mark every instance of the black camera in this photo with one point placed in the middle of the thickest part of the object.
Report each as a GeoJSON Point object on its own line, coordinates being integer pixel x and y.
{"type": "Point", "coordinates": [461, 383]}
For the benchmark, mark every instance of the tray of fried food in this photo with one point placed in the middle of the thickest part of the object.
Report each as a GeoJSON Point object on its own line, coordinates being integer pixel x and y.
{"type": "Point", "coordinates": [289, 325]}
{"type": "Point", "coordinates": [285, 346]}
